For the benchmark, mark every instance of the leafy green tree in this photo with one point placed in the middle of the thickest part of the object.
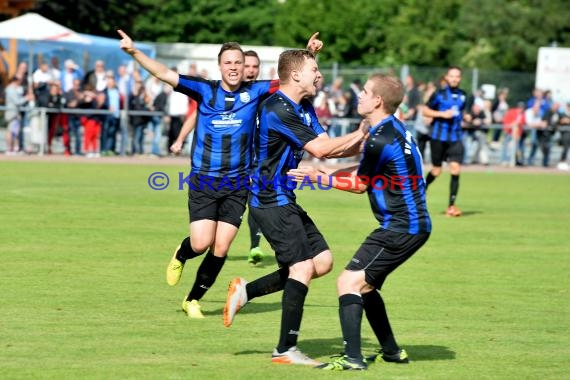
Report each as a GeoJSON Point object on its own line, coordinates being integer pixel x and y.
{"type": "Point", "coordinates": [507, 34]}
{"type": "Point", "coordinates": [100, 18]}
{"type": "Point", "coordinates": [487, 34]}
{"type": "Point", "coordinates": [206, 21]}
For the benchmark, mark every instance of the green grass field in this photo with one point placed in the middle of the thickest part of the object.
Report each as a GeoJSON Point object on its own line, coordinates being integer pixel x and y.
{"type": "Point", "coordinates": [84, 248]}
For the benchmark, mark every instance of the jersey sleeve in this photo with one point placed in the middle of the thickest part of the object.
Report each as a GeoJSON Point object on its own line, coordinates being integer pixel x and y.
{"type": "Point", "coordinates": [433, 101]}
{"type": "Point", "coordinates": [264, 88]}
{"type": "Point", "coordinates": [273, 86]}
{"type": "Point", "coordinates": [193, 87]}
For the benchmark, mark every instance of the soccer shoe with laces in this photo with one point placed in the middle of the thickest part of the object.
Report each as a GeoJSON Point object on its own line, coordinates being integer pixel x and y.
{"type": "Point", "coordinates": [192, 309]}
{"type": "Point", "coordinates": [255, 256]}
{"type": "Point", "coordinates": [236, 299]}
{"type": "Point", "coordinates": [174, 270]}
{"type": "Point", "coordinates": [401, 357]}
{"type": "Point", "coordinates": [292, 356]}
{"type": "Point", "coordinates": [344, 363]}
{"type": "Point", "coordinates": [453, 211]}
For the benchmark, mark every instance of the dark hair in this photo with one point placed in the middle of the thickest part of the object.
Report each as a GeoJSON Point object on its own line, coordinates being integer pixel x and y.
{"type": "Point", "coordinates": [251, 53]}
{"type": "Point", "coordinates": [229, 46]}
{"type": "Point", "coordinates": [453, 67]}
{"type": "Point", "coordinates": [291, 60]}
{"type": "Point", "coordinates": [390, 89]}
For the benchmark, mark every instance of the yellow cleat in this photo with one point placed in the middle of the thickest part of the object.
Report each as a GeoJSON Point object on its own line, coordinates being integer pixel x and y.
{"type": "Point", "coordinates": [174, 270]}
{"type": "Point", "coordinates": [192, 309]}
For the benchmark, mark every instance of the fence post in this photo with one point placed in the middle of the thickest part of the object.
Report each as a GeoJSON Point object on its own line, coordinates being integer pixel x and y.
{"type": "Point", "coordinates": [43, 125]}
{"type": "Point", "coordinates": [404, 72]}
{"type": "Point", "coordinates": [515, 142]}
{"type": "Point", "coordinates": [475, 80]}
{"type": "Point", "coordinates": [334, 71]}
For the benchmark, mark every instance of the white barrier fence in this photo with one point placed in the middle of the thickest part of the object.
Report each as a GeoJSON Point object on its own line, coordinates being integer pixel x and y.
{"type": "Point", "coordinates": [339, 127]}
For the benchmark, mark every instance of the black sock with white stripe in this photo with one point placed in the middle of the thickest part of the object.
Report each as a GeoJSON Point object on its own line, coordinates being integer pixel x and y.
{"type": "Point", "coordinates": [291, 313]}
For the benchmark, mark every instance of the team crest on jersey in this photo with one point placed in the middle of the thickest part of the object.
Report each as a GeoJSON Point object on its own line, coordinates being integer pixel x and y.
{"type": "Point", "coordinates": [308, 118]}
{"type": "Point", "coordinates": [244, 97]}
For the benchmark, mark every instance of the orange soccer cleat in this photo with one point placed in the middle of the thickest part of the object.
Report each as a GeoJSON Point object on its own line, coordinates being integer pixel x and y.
{"type": "Point", "coordinates": [453, 211]}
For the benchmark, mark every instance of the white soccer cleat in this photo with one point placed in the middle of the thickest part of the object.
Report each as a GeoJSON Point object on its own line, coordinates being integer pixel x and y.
{"type": "Point", "coordinates": [237, 298]}
{"type": "Point", "coordinates": [292, 356]}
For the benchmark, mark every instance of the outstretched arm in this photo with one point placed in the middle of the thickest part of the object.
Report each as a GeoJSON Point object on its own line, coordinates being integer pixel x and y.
{"type": "Point", "coordinates": [428, 112]}
{"type": "Point", "coordinates": [155, 68]}
{"type": "Point", "coordinates": [343, 146]}
{"type": "Point", "coordinates": [345, 179]}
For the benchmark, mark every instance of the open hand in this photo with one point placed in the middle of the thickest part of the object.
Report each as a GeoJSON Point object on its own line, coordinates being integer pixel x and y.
{"type": "Point", "coordinates": [302, 173]}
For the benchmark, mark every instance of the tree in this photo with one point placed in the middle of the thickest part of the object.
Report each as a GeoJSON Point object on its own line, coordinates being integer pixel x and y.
{"type": "Point", "coordinates": [485, 33]}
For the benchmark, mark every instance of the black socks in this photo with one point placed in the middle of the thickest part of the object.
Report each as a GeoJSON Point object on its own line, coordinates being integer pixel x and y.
{"type": "Point", "coordinates": [254, 232]}
{"type": "Point", "coordinates": [185, 251]}
{"type": "Point", "coordinates": [350, 313]}
{"type": "Point", "coordinates": [429, 179]}
{"type": "Point", "coordinates": [206, 275]}
{"type": "Point", "coordinates": [378, 319]}
{"type": "Point", "coordinates": [271, 283]}
{"type": "Point", "coordinates": [453, 189]}
{"type": "Point", "coordinates": [291, 313]}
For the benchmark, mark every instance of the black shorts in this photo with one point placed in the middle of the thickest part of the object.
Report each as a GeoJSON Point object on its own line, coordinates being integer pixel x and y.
{"type": "Point", "coordinates": [291, 233]}
{"type": "Point", "coordinates": [382, 252]}
{"type": "Point", "coordinates": [446, 151]}
{"type": "Point", "coordinates": [210, 198]}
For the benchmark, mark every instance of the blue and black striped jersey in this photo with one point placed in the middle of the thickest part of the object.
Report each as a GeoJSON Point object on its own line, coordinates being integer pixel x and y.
{"type": "Point", "coordinates": [448, 130]}
{"type": "Point", "coordinates": [225, 124]}
{"type": "Point", "coordinates": [283, 129]}
{"type": "Point", "coordinates": [392, 163]}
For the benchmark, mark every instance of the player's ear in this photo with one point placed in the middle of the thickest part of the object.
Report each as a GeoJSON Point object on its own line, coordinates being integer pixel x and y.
{"type": "Point", "coordinates": [295, 75]}
{"type": "Point", "coordinates": [379, 101]}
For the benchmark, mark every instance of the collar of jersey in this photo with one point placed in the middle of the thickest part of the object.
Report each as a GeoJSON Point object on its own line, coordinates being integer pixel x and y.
{"type": "Point", "coordinates": [296, 106]}
{"type": "Point", "coordinates": [452, 90]}
{"type": "Point", "coordinates": [381, 123]}
{"type": "Point", "coordinates": [236, 92]}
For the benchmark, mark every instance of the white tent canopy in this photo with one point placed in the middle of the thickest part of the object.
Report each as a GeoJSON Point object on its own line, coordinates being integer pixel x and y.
{"type": "Point", "coordinates": [33, 27]}
{"type": "Point", "coordinates": [39, 35]}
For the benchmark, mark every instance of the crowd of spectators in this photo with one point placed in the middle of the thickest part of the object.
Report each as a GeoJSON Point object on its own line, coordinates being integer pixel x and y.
{"type": "Point", "coordinates": [96, 127]}
{"type": "Point", "coordinates": [495, 128]}
{"type": "Point", "coordinates": [84, 109]}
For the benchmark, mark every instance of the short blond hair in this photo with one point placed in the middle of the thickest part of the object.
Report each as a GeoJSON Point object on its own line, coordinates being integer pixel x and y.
{"type": "Point", "coordinates": [390, 89]}
{"type": "Point", "coordinates": [291, 60]}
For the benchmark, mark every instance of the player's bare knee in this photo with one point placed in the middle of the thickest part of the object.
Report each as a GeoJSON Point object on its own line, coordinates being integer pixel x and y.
{"type": "Point", "coordinates": [454, 168]}
{"type": "Point", "coordinates": [200, 245]}
{"type": "Point", "coordinates": [323, 263]}
{"type": "Point", "coordinates": [221, 250]}
{"type": "Point", "coordinates": [435, 171]}
{"type": "Point", "coordinates": [350, 282]}
{"type": "Point", "coordinates": [302, 271]}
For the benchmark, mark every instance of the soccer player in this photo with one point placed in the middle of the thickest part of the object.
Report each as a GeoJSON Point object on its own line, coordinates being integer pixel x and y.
{"type": "Point", "coordinates": [446, 106]}
{"type": "Point", "coordinates": [287, 127]}
{"type": "Point", "coordinates": [221, 152]}
{"type": "Point", "coordinates": [390, 171]}
{"type": "Point", "coordinates": [251, 72]}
